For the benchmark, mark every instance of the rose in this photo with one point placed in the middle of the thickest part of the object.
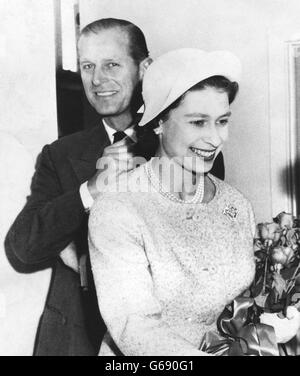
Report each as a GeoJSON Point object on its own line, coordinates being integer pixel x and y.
{"type": "Point", "coordinates": [285, 220]}
{"type": "Point", "coordinates": [292, 237]}
{"type": "Point", "coordinates": [282, 255]}
{"type": "Point", "coordinates": [269, 231]}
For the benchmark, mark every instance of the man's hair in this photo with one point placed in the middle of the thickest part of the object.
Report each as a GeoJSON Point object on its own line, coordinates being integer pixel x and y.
{"type": "Point", "coordinates": [137, 42]}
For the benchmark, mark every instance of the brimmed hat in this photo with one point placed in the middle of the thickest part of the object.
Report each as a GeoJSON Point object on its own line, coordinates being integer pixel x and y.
{"type": "Point", "coordinates": [175, 72]}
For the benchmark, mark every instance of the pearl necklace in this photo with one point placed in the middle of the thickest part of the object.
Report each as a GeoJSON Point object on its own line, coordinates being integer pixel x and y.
{"type": "Point", "coordinates": [156, 182]}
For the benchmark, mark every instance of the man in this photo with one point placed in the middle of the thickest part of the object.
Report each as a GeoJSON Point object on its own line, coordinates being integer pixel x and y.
{"type": "Point", "coordinates": [113, 57]}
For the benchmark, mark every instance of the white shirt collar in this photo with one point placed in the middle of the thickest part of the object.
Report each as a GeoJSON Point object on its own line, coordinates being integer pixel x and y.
{"type": "Point", "coordinates": [110, 132]}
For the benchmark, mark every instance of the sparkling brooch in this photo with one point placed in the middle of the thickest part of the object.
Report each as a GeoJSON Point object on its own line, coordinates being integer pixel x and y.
{"type": "Point", "coordinates": [189, 213]}
{"type": "Point", "coordinates": [231, 212]}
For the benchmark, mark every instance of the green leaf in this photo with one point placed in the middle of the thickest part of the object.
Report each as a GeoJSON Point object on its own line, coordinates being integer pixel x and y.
{"type": "Point", "coordinates": [261, 255]}
{"type": "Point", "coordinates": [258, 244]}
{"type": "Point", "coordinates": [296, 289]}
{"type": "Point", "coordinates": [257, 287]}
{"type": "Point", "coordinates": [288, 273]}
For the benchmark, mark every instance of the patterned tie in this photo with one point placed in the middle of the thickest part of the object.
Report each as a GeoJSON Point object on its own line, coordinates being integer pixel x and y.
{"type": "Point", "coordinates": [118, 136]}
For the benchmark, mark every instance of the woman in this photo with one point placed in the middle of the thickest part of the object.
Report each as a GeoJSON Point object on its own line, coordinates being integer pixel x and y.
{"type": "Point", "coordinates": [170, 252]}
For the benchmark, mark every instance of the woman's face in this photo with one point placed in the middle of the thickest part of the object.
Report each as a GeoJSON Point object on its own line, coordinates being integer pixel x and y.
{"type": "Point", "coordinates": [195, 131]}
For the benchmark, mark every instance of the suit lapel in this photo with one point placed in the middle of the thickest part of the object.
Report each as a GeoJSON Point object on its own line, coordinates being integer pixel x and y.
{"type": "Point", "coordinates": [85, 166]}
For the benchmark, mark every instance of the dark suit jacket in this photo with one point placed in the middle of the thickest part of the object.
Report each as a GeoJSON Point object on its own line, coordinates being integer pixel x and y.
{"type": "Point", "coordinates": [52, 218]}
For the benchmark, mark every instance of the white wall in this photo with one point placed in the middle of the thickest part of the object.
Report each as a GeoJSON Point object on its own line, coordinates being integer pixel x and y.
{"type": "Point", "coordinates": [27, 122]}
{"type": "Point", "coordinates": [255, 30]}
{"type": "Point", "coordinates": [27, 74]}
{"type": "Point", "coordinates": [22, 297]}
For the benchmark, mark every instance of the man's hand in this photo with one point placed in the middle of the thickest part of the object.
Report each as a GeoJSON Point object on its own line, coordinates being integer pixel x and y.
{"type": "Point", "coordinates": [118, 159]}
{"type": "Point", "coordinates": [285, 329]}
{"type": "Point", "coordinates": [69, 257]}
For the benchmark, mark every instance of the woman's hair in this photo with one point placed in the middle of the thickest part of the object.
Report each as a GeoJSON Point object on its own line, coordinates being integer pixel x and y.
{"type": "Point", "coordinates": [148, 142]}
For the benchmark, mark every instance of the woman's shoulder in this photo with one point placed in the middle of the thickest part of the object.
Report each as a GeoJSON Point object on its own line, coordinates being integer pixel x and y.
{"type": "Point", "coordinates": [112, 204]}
{"type": "Point", "coordinates": [114, 215]}
{"type": "Point", "coordinates": [117, 202]}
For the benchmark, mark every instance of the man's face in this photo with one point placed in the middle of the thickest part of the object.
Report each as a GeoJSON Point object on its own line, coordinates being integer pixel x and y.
{"type": "Point", "coordinates": [109, 74]}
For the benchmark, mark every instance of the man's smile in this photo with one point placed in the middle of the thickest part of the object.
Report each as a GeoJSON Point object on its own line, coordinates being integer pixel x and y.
{"type": "Point", "coordinates": [105, 93]}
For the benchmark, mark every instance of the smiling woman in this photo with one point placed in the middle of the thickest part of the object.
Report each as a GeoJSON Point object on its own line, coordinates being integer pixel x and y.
{"type": "Point", "coordinates": [185, 240]}
{"type": "Point", "coordinates": [189, 131]}
{"type": "Point", "coordinates": [184, 243]}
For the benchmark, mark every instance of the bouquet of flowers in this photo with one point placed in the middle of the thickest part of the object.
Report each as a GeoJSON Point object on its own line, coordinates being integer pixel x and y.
{"type": "Point", "coordinates": [275, 287]}
{"type": "Point", "coordinates": [277, 251]}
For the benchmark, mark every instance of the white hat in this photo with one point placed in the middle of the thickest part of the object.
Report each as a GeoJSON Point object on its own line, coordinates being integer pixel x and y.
{"type": "Point", "coordinates": [175, 72]}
